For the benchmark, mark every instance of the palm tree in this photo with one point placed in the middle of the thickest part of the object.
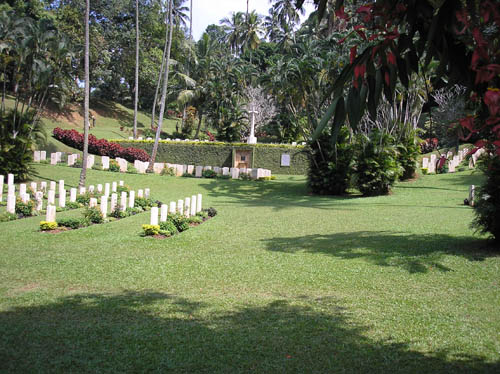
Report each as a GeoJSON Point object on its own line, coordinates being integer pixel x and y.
{"type": "Point", "coordinates": [251, 32]}
{"type": "Point", "coordinates": [165, 85]}
{"type": "Point", "coordinates": [287, 11]}
{"type": "Point", "coordinates": [180, 13]}
{"type": "Point", "coordinates": [83, 174]}
{"type": "Point", "coordinates": [136, 89]}
{"type": "Point", "coordinates": [234, 28]}
{"type": "Point", "coordinates": [191, 21]}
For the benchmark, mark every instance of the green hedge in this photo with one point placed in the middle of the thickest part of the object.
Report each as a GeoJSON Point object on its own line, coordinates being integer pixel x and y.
{"type": "Point", "coordinates": [266, 156]}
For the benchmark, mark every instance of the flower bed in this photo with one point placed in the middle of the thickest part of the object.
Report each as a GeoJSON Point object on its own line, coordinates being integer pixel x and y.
{"type": "Point", "coordinates": [100, 147]}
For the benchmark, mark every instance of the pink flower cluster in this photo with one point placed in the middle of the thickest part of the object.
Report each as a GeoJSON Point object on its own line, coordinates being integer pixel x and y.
{"type": "Point", "coordinates": [99, 147]}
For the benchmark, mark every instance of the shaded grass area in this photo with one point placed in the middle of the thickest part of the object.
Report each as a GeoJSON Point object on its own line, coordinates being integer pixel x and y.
{"type": "Point", "coordinates": [278, 281]}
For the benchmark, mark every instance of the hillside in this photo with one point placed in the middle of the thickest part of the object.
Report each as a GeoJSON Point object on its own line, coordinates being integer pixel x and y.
{"type": "Point", "coordinates": [112, 121]}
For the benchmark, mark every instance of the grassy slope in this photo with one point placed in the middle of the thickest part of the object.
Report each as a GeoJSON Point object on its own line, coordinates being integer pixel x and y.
{"type": "Point", "coordinates": [279, 281]}
{"type": "Point", "coordinates": [110, 117]}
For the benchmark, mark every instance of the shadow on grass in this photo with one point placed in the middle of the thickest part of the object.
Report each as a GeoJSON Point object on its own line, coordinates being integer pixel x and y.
{"type": "Point", "coordinates": [414, 253]}
{"type": "Point", "coordinates": [156, 332]}
{"type": "Point", "coordinates": [278, 195]}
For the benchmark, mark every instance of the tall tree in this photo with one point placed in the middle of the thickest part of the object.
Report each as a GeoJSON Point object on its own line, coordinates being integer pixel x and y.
{"type": "Point", "coordinates": [191, 21]}
{"type": "Point", "coordinates": [83, 174]}
{"type": "Point", "coordinates": [136, 89]}
{"type": "Point", "coordinates": [160, 74]}
{"type": "Point", "coordinates": [165, 85]}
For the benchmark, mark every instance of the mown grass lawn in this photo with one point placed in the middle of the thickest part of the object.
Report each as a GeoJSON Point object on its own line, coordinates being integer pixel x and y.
{"type": "Point", "coordinates": [278, 281]}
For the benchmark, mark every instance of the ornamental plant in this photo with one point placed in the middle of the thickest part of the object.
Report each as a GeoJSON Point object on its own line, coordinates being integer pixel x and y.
{"type": "Point", "coordinates": [99, 147]}
{"type": "Point", "coordinates": [48, 226]}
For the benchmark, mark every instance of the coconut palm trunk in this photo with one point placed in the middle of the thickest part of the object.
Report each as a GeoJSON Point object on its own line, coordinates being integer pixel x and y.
{"type": "Point", "coordinates": [164, 88]}
{"type": "Point", "coordinates": [136, 99]}
{"type": "Point", "coordinates": [160, 75]}
{"type": "Point", "coordinates": [191, 21]}
{"type": "Point", "coordinates": [83, 174]}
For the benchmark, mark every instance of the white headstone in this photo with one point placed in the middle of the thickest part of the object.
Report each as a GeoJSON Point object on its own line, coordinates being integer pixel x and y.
{"type": "Point", "coordinates": [82, 190]}
{"type": "Point", "coordinates": [158, 167]}
{"type": "Point", "coordinates": [114, 201]}
{"type": "Point", "coordinates": [22, 189]}
{"type": "Point", "coordinates": [1, 187]}
{"type": "Point", "coordinates": [36, 156]}
{"type": "Point", "coordinates": [140, 193]}
{"type": "Point", "coordinates": [114, 187]}
{"type": "Point", "coordinates": [61, 186]}
{"type": "Point", "coordinates": [10, 179]}
{"type": "Point", "coordinates": [53, 159]}
{"type": "Point", "coordinates": [25, 197]}
{"type": "Point", "coordinates": [62, 198]}
{"type": "Point", "coordinates": [43, 186]}
{"type": "Point", "coordinates": [99, 188]}
{"type": "Point", "coordinates": [235, 173]}
{"type": "Point", "coordinates": [72, 195]}
{"type": "Point", "coordinates": [198, 203]}
{"type": "Point", "coordinates": [59, 156]}
{"type": "Point", "coordinates": [285, 159]}
{"type": "Point", "coordinates": [173, 207]}
{"type": "Point", "coordinates": [105, 162]}
{"type": "Point", "coordinates": [180, 207]}
{"type": "Point", "coordinates": [154, 215]}
{"type": "Point", "coordinates": [121, 183]}
{"type": "Point", "coordinates": [193, 205]}
{"type": "Point", "coordinates": [39, 201]}
{"type": "Point", "coordinates": [425, 163]}
{"type": "Point", "coordinates": [90, 161]}
{"type": "Point", "coordinates": [93, 202]}
{"type": "Point", "coordinates": [123, 201]}
{"type": "Point", "coordinates": [225, 171]}
{"type": "Point", "coordinates": [51, 199]}
{"type": "Point", "coordinates": [187, 206]}
{"type": "Point", "coordinates": [11, 189]}
{"type": "Point", "coordinates": [43, 155]}
{"type": "Point", "coordinates": [190, 169]}
{"type": "Point", "coordinates": [106, 189]}
{"type": "Point", "coordinates": [199, 171]}
{"type": "Point", "coordinates": [163, 212]}
{"type": "Point", "coordinates": [146, 193]}
{"type": "Point", "coordinates": [53, 185]}
{"type": "Point", "coordinates": [11, 203]}
{"type": "Point", "coordinates": [33, 186]}
{"type": "Point", "coordinates": [91, 188]}
{"type": "Point", "coordinates": [104, 205]}
{"type": "Point", "coordinates": [131, 199]}
{"type": "Point", "coordinates": [51, 213]}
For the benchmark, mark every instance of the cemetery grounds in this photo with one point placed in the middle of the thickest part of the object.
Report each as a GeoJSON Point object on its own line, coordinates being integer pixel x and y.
{"type": "Point", "coordinates": [278, 281]}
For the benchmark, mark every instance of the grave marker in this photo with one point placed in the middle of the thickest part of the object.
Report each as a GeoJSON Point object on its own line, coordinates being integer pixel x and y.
{"type": "Point", "coordinates": [163, 213]}
{"type": "Point", "coordinates": [10, 179]}
{"type": "Point", "coordinates": [154, 215]}
{"type": "Point", "coordinates": [123, 201]}
{"type": "Point", "coordinates": [62, 198]}
{"type": "Point", "coordinates": [104, 205]}
{"type": "Point", "coordinates": [72, 195]}
{"type": "Point", "coordinates": [51, 213]}
{"type": "Point", "coordinates": [43, 156]}
{"type": "Point", "coordinates": [39, 201]}
{"type": "Point", "coordinates": [193, 205]}
{"type": "Point", "coordinates": [173, 207]}
{"type": "Point", "coordinates": [199, 171]}
{"type": "Point", "coordinates": [131, 200]}
{"type": "Point", "coordinates": [180, 207]}
{"type": "Point", "coordinates": [198, 203]}
{"type": "Point", "coordinates": [114, 200]}
{"type": "Point", "coordinates": [105, 162]}
{"type": "Point", "coordinates": [11, 203]}
{"type": "Point", "coordinates": [51, 198]}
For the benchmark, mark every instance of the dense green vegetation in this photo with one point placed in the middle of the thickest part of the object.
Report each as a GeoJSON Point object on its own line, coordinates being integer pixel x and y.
{"type": "Point", "coordinates": [280, 280]}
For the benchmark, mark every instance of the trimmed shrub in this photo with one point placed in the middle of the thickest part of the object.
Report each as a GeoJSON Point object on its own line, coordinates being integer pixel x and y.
{"type": "Point", "coordinates": [99, 147]}
{"type": "Point", "coordinates": [180, 222]}
{"type": "Point", "coordinates": [143, 203]}
{"type": "Point", "coordinates": [195, 220]}
{"type": "Point", "coordinates": [25, 209]}
{"type": "Point", "coordinates": [6, 216]}
{"type": "Point", "coordinates": [170, 172]}
{"type": "Point", "coordinates": [93, 215]}
{"type": "Point", "coordinates": [168, 228]}
{"type": "Point", "coordinates": [208, 174]}
{"type": "Point", "coordinates": [212, 212]}
{"type": "Point", "coordinates": [487, 202]}
{"type": "Point", "coordinates": [408, 152]}
{"type": "Point", "coordinates": [151, 230]}
{"type": "Point", "coordinates": [330, 167]}
{"type": "Point", "coordinates": [47, 226]}
{"type": "Point", "coordinates": [114, 166]}
{"type": "Point", "coordinates": [72, 223]}
{"type": "Point", "coordinates": [377, 168]}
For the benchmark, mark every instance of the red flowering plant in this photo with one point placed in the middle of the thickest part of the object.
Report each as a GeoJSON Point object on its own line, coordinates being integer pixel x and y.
{"type": "Point", "coordinates": [99, 147]}
{"type": "Point", "coordinates": [404, 36]}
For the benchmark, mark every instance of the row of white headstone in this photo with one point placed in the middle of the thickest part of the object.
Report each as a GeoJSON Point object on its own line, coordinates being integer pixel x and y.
{"type": "Point", "coordinates": [127, 200]}
{"type": "Point", "coordinates": [453, 161]}
{"type": "Point", "coordinates": [188, 207]}
{"type": "Point", "coordinates": [190, 140]}
{"type": "Point", "coordinates": [158, 167]}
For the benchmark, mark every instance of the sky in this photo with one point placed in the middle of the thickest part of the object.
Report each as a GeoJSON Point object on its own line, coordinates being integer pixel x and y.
{"type": "Point", "coordinates": [207, 12]}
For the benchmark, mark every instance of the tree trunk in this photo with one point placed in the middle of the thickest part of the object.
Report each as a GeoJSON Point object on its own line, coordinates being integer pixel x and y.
{"type": "Point", "coordinates": [200, 117]}
{"type": "Point", "coordinates": [83, 174]}
{"type": "Point", "coordinates": [160, 74]}
{"type": "Point", "coordinates": [191, 21]}
{"type": "Point", "coordinates": [164, 88]}
{"type": "Point", "coordinates": [136, 99]}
